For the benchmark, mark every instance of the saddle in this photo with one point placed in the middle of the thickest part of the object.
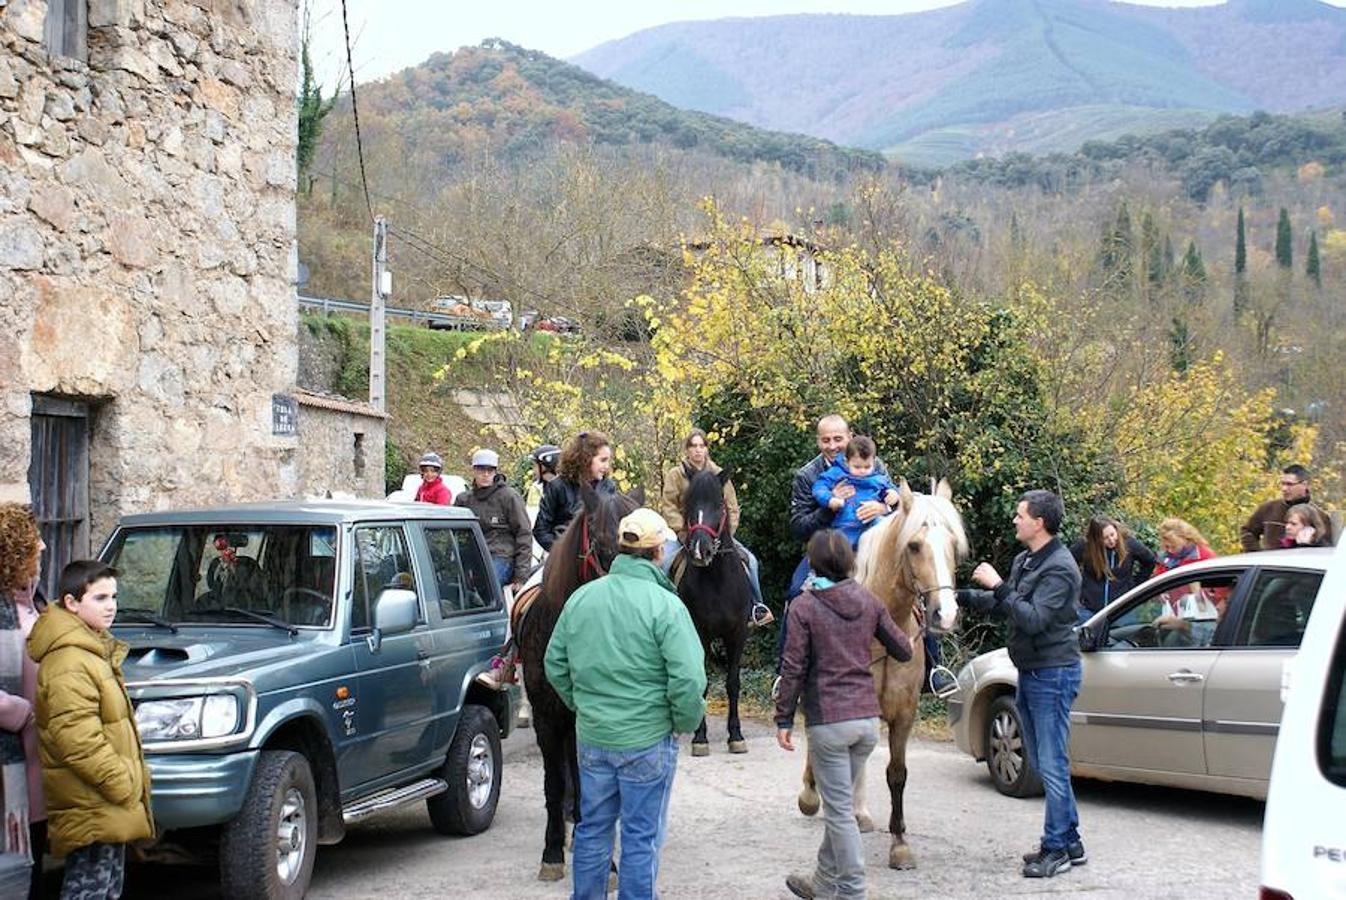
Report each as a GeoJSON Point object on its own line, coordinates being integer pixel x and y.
{"type": "Point", "coordinates": [505, 665]}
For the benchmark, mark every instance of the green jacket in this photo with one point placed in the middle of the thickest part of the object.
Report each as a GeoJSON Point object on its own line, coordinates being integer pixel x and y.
{"type": "Point", "coordinates": [626, 658]}
{"type": "Point", "coordinates": [93, 770]}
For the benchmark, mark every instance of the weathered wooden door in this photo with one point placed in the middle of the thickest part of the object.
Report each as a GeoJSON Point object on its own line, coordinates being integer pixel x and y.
{"type": "Point", "coordinates": [58, 479]}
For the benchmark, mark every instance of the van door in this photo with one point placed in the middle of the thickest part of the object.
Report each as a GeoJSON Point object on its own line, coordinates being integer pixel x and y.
{"type": "Point", "coordinates": [1243, 693]}
{"type": "Point", "coordinates": [1140, 699]}
{"type": "Point", "coordinates": [470, 607]}
{"type": "Point", "coordinates": [394, 700]}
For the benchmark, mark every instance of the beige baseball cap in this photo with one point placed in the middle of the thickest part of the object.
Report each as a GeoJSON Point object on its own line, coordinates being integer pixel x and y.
{"type": "Point", "coordinates": [642, 530]}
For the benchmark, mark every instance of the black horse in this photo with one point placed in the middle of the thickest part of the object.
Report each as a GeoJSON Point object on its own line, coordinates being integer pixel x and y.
{"type": "Point", "coordinates": [716, 589]}
{"type": "Point", "coordinates": [583, 552]}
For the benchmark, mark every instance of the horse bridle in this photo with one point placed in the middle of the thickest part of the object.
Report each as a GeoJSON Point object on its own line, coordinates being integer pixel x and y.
{"type": "Point", "coordinates": [588, 555]}
{"type": "Point", "coordinates": [714, 532]}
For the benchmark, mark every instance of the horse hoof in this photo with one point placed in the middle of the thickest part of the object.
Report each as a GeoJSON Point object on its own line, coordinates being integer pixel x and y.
{"type": "Point", "coordinates": [865, 822]}
{"type": "Point", "coordinates": [738, 746]}
{"type": "Point", "coordinates": [551, 872]}
{"type": "Point", "coordinates": [700, 749]}
{"type": "Point", "coordinates": [809, 802]}
{"type": "Point", "coordinates": [901, 857]}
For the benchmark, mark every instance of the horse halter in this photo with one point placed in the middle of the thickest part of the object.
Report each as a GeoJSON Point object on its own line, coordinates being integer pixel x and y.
{"type": "Point", "coordinates": [591, 566]}
{"type": "Point", "coordinates": [714, 532]}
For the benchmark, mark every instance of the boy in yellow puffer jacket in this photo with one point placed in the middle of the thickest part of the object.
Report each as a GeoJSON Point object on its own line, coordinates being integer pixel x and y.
{"type": "Point", "coordinates": [93, 768]}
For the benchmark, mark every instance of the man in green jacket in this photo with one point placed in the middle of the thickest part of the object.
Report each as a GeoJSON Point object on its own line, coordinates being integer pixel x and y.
{"type": "Point", "coordinates": [626, 658]}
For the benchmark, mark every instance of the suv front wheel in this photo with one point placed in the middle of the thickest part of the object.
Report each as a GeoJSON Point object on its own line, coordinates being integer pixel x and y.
{"type": "Point", "coordinates": [472, 771]}
{"type": "Point", "coordinates": [267, 851]}
{"type": "Point", "coordinates": [1005, 757]}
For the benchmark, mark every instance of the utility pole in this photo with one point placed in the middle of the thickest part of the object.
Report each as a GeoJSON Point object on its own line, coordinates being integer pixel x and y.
{"type": "Point", "coordinates": [382, 287]}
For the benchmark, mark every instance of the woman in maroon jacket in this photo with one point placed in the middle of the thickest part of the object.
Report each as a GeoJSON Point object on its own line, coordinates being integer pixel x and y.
{"type": "Point", "coordinates": [826, 663]}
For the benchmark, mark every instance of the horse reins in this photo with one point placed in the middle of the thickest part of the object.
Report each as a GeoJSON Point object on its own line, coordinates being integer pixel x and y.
{"type": "Point", "coordinates": [588, 556]}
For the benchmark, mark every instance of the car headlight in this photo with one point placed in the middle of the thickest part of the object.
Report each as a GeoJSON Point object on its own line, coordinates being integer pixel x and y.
{"type": "Point", "coordinates": [188, 719]}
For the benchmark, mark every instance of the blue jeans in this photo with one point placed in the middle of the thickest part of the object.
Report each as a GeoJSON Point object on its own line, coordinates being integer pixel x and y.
{"type": "Point", "coordinates": [504, 571]}
{"type": "Point", "coordinates": [1044, 700]}
{"type": "Point", "coordinates": [633, 786]}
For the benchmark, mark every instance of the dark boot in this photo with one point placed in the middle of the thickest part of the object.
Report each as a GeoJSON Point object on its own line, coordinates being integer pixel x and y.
{"type": "Point", "coordinates": [801, 885]}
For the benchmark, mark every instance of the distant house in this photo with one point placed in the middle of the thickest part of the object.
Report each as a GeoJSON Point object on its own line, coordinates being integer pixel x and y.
{"type": "Point", "coordinates": [795, 256]}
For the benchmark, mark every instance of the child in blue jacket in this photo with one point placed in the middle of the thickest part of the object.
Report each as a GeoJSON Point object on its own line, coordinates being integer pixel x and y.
{"type": "Point", "coordinates": [857, 469]}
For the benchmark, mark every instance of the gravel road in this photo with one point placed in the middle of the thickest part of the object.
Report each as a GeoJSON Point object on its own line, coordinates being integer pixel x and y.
{"type": "Point", "coordinates": [735, 832]}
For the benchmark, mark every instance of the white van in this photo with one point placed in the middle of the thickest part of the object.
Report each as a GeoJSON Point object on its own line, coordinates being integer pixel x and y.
{"type": "Point", "coordinates": [1304, 832]}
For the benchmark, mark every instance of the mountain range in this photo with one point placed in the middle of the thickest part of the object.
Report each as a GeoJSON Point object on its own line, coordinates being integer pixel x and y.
{"type": "Point", "coordinates": [991, 76]}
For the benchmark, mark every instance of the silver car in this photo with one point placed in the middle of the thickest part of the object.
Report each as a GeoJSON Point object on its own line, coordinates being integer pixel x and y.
{"type": "Point", "coordinates": [1181, 683]}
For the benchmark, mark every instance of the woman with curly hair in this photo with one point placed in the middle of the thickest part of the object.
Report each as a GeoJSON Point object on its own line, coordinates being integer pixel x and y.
{"type": "Point", "coordinates": [586, 459]}
{"type": "Point", "coordinates": [24, 806]}
{"type": "Point", "coordinates": [1180, 544]}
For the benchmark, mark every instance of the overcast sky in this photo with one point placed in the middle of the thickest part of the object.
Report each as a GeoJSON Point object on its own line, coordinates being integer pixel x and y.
{"type": "Point", "coordinates": [389, 35]}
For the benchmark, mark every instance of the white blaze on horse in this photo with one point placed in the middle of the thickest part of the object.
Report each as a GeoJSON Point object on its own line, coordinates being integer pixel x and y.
{"type": "Point", "coordinates": [907, 560]}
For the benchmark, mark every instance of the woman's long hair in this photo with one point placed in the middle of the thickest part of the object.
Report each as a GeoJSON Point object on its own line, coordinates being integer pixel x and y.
{"type": "Point", "coordinates": [579, 453]}
{"type": "Point", "coordinates": [1096, 552]}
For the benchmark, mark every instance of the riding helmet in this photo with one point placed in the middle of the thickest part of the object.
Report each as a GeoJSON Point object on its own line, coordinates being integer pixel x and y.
{"type": "Point", "coordinates": [547, 456]}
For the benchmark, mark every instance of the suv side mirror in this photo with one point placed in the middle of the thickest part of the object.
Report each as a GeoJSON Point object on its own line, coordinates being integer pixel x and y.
{"type": "Point", "coordinates": [394, 612]}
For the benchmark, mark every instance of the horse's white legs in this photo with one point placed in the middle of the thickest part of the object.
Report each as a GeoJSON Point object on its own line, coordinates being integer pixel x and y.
{"type": "Point", "coordinates": [808, 800]}
{"type": "Point", "coordinates": [861, 801]}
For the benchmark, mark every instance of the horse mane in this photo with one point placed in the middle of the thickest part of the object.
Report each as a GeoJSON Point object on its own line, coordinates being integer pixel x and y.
{"type": "Point", "coordinates": [878, 562]}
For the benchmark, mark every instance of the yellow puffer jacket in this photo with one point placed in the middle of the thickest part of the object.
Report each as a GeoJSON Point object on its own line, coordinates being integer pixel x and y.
{"type": "Point", "coordinates": [93, 770]}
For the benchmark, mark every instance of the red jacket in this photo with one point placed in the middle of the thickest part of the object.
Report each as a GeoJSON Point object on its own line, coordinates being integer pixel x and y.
{"type": "Point", "coordinates": [434, 492]}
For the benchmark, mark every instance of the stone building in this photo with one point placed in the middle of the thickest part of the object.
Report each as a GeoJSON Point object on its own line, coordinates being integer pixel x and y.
{"type": "Point", "coordinates": [341, 445]}
{"type": "Point", "coordinates": [147, 258]}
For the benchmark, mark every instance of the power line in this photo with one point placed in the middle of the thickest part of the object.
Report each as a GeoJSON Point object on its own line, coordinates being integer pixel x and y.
{"type": "Point", "coordinates": [355, 111]}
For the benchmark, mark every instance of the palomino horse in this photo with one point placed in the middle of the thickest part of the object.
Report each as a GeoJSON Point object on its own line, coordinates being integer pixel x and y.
{"type": "Point", "coordinates": [910, 554]}
{"type": "Point", "coordinates": [715, 588]}
{"type": "Point", "coordinates": [584, 552]}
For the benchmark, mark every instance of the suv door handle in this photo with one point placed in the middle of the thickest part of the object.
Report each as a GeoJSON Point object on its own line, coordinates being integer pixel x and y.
{"type": "Point", "coordinates": [422, 654]}
{"type": "Point", "coordinates": [1185, 676]}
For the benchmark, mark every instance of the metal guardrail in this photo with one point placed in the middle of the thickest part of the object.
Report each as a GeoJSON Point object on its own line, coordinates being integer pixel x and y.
{"type": "Point", "coordinates": [433, 320]}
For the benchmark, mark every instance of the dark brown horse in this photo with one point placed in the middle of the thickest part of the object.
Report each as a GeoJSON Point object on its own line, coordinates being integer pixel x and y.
{"type": "Point", "coordinates": [584, 552]}
{"type": "Point", "coordinates": [715, 588]}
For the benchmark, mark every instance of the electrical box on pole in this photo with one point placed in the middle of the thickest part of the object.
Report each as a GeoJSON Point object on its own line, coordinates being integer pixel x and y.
{"type": "Point", "coordinates": [382, 287]}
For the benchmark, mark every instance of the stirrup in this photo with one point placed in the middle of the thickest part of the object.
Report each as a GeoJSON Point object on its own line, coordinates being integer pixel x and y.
{"type": "Point", "coordinates": [953, 682]}
{"type": "Point", "coordinates": [761, 615]}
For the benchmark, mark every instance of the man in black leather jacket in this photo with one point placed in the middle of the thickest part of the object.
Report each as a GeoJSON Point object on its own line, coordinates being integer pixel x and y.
{"type": "Point", "coordinates": [1039, 600]}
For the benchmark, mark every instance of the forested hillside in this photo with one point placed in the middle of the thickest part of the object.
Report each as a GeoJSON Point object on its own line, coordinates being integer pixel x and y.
{"type": "Point", "coordinates": [1207, 261]}
{"type": "Point", "coordinates": [992, 76]}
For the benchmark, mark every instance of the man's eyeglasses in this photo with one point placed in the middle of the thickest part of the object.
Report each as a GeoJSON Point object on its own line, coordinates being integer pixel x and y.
{"type": "Point", "coordinates": [1290, 483]}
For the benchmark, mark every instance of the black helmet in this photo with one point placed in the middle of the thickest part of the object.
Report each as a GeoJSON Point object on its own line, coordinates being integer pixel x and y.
{"type": "Point", "coordinates": [547, 456]}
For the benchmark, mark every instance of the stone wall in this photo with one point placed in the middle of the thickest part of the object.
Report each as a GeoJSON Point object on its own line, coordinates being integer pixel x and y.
{"type": "Point", "coordinates": [147, 245]}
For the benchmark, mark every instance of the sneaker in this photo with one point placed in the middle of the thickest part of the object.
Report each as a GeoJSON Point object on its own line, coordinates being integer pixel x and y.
{"type": "Point", "coordinates": [1075, 851]}
{"type": "Point", "coordinates": [801, 885]}
{"type": "Point", "coordinates": [1045, 865]}
{"type": "Point", "coordinates": [761, 616]}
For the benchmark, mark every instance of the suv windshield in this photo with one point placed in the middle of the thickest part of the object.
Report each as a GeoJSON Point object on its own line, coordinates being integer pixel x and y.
{"type": "Point", "coordinates": [197, 574]}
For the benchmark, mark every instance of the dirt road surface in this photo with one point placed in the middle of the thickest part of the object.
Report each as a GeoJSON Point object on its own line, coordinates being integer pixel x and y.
{"type": "Point", "coordinates": [734, 832]}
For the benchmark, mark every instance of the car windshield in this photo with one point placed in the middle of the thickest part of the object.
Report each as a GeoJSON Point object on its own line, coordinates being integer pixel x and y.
{"type": "Point", "coordinates": [231, 574]}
